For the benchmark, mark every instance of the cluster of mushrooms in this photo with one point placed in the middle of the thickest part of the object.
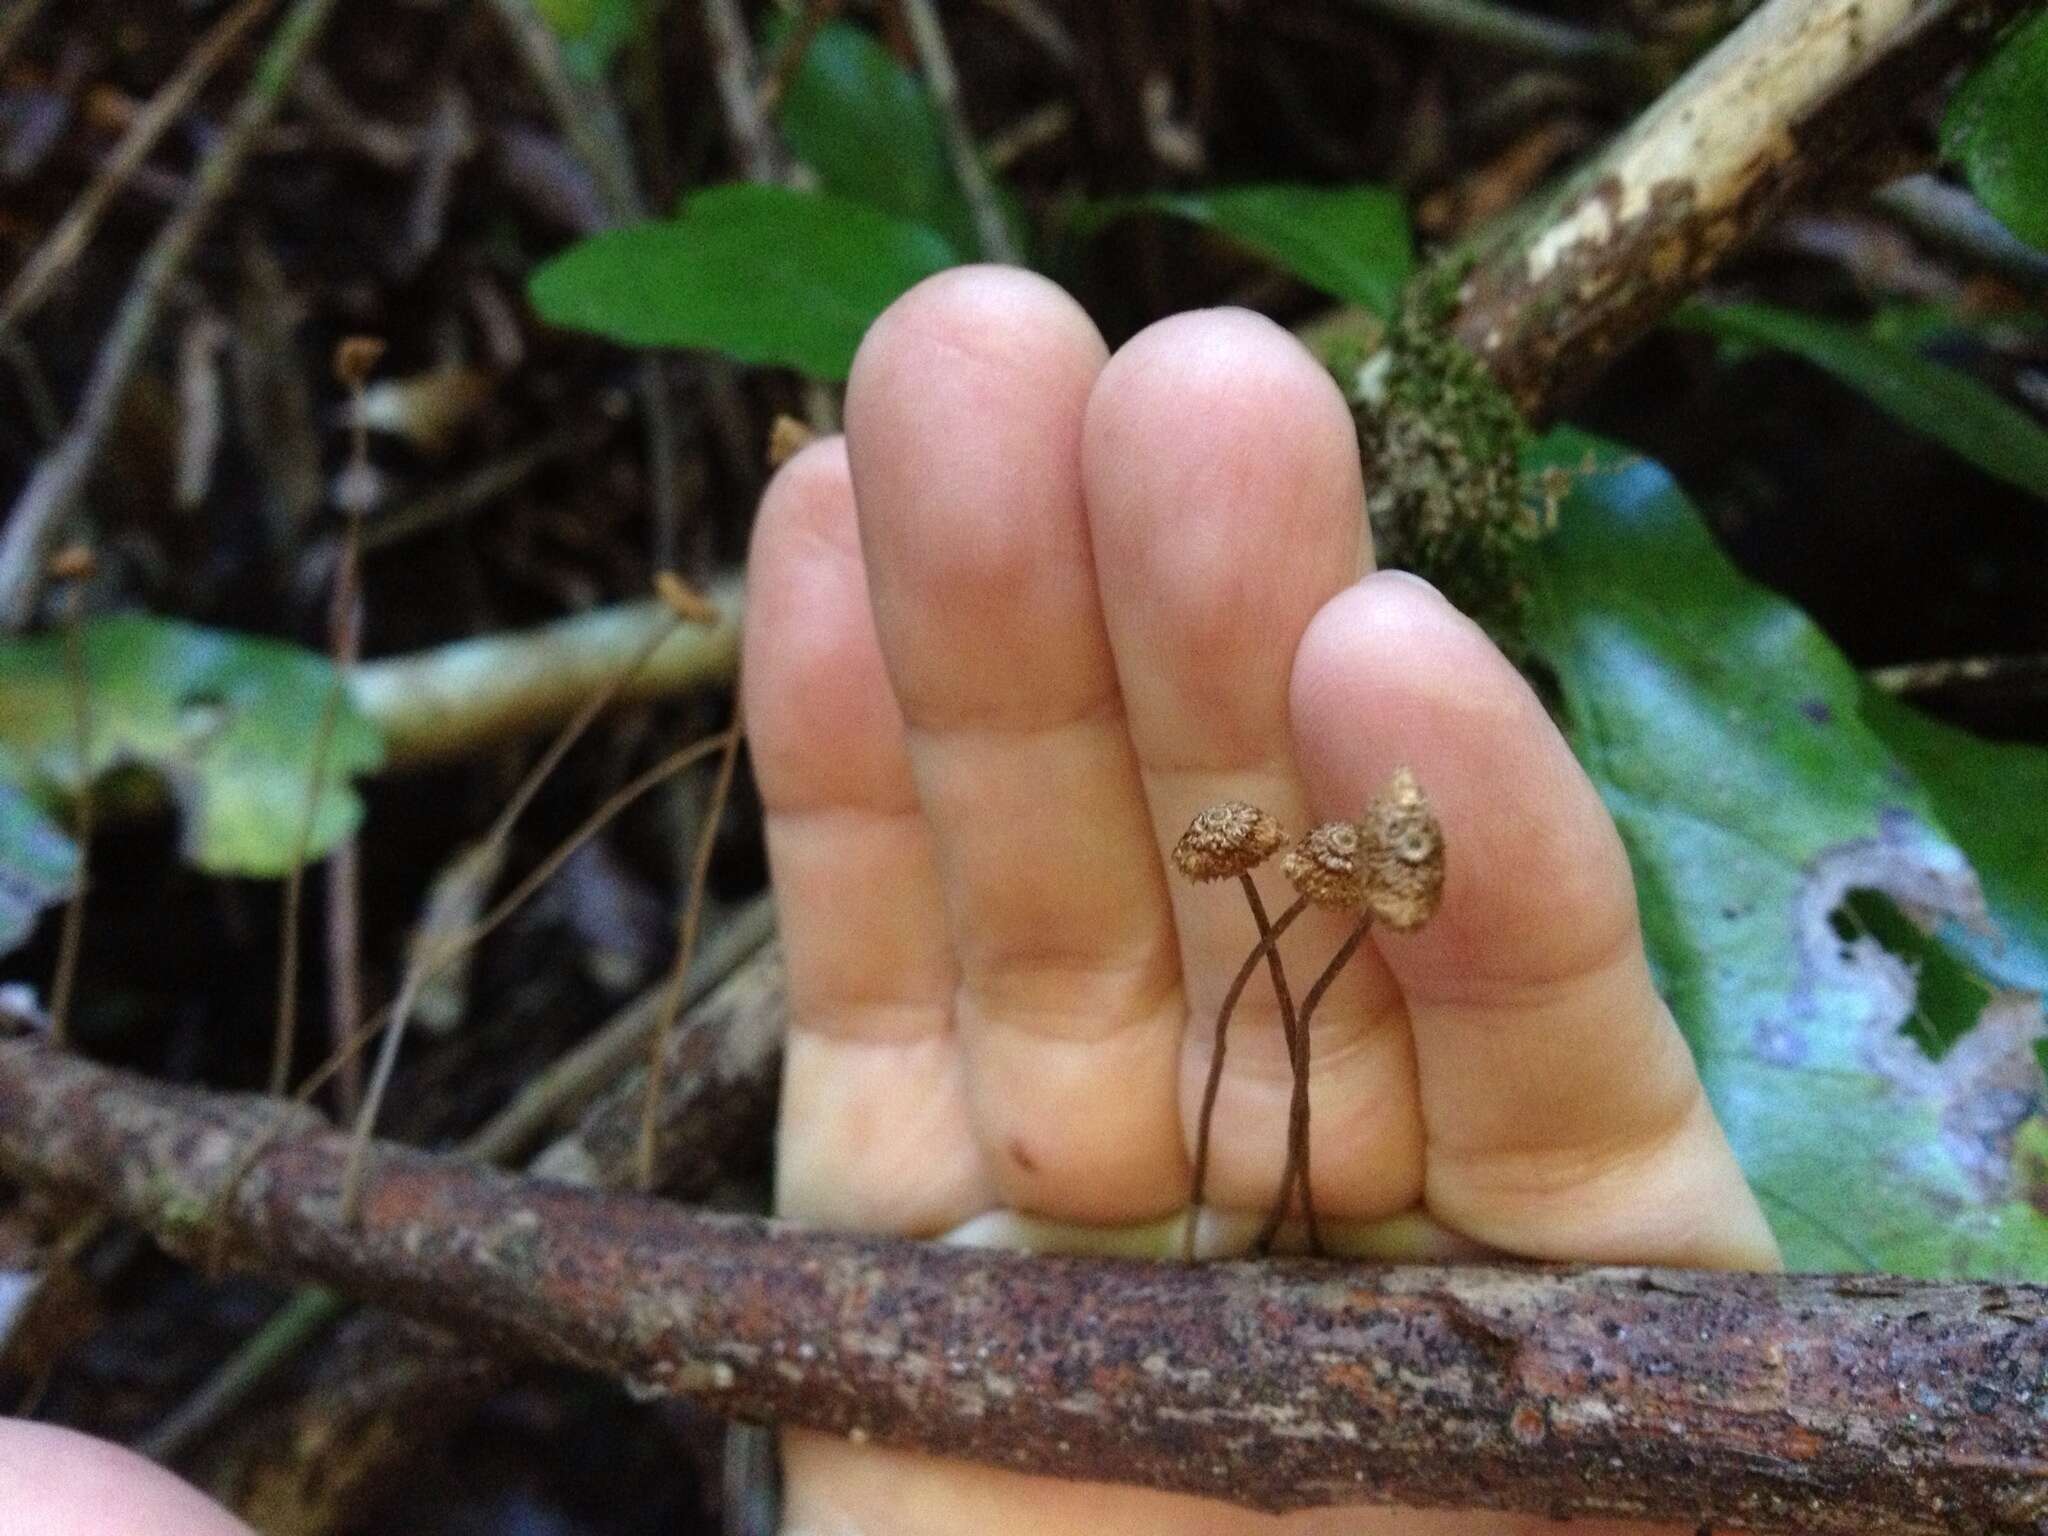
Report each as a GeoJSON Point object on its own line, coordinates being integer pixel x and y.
{"type": "Point", "coordinates": [1386, 867]}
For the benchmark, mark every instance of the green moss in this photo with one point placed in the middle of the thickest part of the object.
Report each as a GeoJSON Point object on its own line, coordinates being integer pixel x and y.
{"type": "Point", "coordinates": [1443, 448]}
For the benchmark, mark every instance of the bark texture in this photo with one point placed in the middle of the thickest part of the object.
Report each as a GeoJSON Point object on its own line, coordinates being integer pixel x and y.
{"type": "Point", "coordinates": [1780, 103]}
{"type": "Point", "coordinates": [383, 1387]}
{"type": "Point", "coordinates": [1825, 1404]}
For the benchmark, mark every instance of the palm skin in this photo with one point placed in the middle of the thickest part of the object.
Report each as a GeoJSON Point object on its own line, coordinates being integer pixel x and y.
{"type": "Point", "coordinates": [1036, 609]}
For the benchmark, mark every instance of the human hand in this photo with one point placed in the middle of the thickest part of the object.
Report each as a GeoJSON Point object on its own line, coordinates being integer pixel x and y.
{"type": "Point", "coordinates": [1038, 608]}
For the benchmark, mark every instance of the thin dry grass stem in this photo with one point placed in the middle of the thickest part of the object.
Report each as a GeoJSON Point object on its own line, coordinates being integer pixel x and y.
{"type": "Point", "coordinates": [432, 963]}
{"type": "Point", "coordinates": [935, 59]}
{"type": "Point", "coordinates": [788, 57]}
{"type": "Point", "coordinates": [74, 566]}
{"type": "Point", "coordinates": [354, 358]}
{"type": "Point", "coordinates": [686, 943]}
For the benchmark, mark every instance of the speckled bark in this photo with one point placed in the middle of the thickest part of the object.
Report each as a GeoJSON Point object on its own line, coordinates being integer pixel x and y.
{"type": "Point", "coordinates": [1829, 1404]}
{"type": "Point", "coordinates": [382, 1389]}
{"type": "Point", "coordinates": [1776, 106]}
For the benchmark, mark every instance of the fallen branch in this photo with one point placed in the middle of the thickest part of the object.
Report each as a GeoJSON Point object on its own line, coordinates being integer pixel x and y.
{"type": "Point", "coordinates": [1830, 1404]}
{"type": "Point", "coordinates": [383, 1388]}
{"type": "Point", "coordinates": [1781, 102]}
{"type": "Point", "coordinates": [441, 703]}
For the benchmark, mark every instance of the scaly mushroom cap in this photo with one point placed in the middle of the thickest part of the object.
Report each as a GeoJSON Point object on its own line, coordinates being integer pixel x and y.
{"type": "Point", "coordinates": [1325, 866]}
{"type": "Point", "coordinates": [1404, 854]}
{"type": "Point", "coordinates": [1228, 839]}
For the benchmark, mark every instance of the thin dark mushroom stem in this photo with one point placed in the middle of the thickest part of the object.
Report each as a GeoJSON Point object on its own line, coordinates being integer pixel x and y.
{"type": "Point", "coordinates": [1267, 947]}
{"type": "Point", "coordinates": [1297, 1118]}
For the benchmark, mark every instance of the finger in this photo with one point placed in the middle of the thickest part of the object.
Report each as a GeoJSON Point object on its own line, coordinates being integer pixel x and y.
{"type": "Point", "coordinates": [1563, 1114]}
{"type": "Point", "coordinates": [874, 1130]}
{"type": "Point", "coordinates": [964, 419]}
{"type": "Point", "coordinates": [1226, 506]}
{"type": "Point", "coordinates": [57, 1482]}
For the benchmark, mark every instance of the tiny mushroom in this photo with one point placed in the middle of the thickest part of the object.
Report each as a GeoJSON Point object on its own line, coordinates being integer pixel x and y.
{"type": "Point", "coordinates": [1231, 838]}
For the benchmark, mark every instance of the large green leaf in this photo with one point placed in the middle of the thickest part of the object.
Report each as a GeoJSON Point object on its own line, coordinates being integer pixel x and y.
{"type": "Point", "coordinates": [1997, 128]}
{"type": "Point", "coordinates": [38, 866]}
{"type": "Point", "coordinates": [868, 128]}
{"type": "Point", "coordinates": [763, 274]}
{"type": "Point", "coordinates": [227, 722]}
{"type": "Point", "coordinates": [1351, 242]}
{"type": "Point", "coordinates": [1946, 404]}
{"type": "Point", "coordinates": [1727, 738]}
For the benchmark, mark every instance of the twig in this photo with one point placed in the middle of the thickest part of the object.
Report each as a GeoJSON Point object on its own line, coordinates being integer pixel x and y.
{"type": "Point", "coordinates": [595, 129]}
{"type": "Point", "coordinates": [433, 959]}
{"type": "Point", "coordinates": [1551, 297]}
{"type": "Point", "coordinates": [354, 360]}
{"type": "Point", "coordinates": [935, 58]}
{"type": "Point", "coordinates": [686, 945]}
{"type": "Point", "coordinates": [755, 143]}
{"type": "Point", "coordinates": [789, 54]}
{"type": "Point", "coordinates": [54, 490]}
{"type": "Point", "coordinates": [417, 977]}
{"type": "Point", "coordinates": [285, 1030]}
{"type": "Point", "coordinates": [582, 109]}
{"type": "Point", "coordinates": [72, 938]}
{"type": "Point", "coordinates": [2027, 673]}
{"type": "Point", "coordinates": [1826, 1404]}
{"type": "Point", "coordinates": [1950, 218]}
{"type": "Point", "coordinates": [442, 703]}
{"type": "Point", "coordinates": [720, 1090]}
{"type": "Point", "coordinates": [473, 492]}
{"type": "Point", "coordinates": [62, 245]}
{"type": "Point", "coordinates": [1042, 25]}
{"type": "Point", "coordinates": [1609, 53]}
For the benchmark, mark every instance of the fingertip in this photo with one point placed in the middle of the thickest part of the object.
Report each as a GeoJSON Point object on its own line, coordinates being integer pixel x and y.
{"type": "Point", "coordinates": [1537, 888]}
{"type": "Point", "coordinates": [810, 668]}
{"type": "Point", "coordinates": [58, 1482]}
{"type": "Point", "coordinates": [1002, 320]}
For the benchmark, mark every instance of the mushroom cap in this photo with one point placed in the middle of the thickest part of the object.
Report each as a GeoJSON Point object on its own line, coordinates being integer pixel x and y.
{"type": "Point", "coordinates": [1232, 838]}
{"type": "Point", "coordinates": [1404, 858]}
{"type": "Point", "coordinates": [1327, 866]}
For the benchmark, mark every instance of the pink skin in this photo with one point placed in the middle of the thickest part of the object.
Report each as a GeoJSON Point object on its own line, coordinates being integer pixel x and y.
{"type": "Point", "coordinates": [1037, 608]}
{"type": "Point", "coordinates": [55, 1482]}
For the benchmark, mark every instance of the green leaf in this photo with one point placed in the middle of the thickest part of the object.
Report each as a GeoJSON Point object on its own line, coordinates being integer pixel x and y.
{"type": "Point", "coordinates": [1997, 129]}
{"type": "Point", "coordinates": [763, 274]}
{"type": "Point", "coordinates": [1726, 735]}
{"type": "Point", "coordinates": [867, 127]}
{"type": "Point", "coordinates": [227, 722]}
{"type": "Point", "coordinates": [1944, 403]}
{"type": "Point", "coordinates": [1351, 242]}
{"type": "Point", "coordinates": [38, 866]}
